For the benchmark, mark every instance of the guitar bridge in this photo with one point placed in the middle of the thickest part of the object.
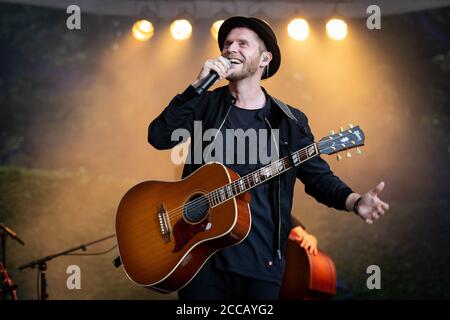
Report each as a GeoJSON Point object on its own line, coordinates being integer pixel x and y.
{"type": "Point", "coordinates": [164, 223]}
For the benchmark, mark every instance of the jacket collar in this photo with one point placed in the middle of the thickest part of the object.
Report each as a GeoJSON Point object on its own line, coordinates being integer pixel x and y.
{"type": "Point", "coordinates": [281, 105]}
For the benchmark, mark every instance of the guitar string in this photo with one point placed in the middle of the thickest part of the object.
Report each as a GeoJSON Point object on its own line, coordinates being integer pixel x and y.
{"type": "Point", "coordinates": [174, 213]}
{"type": "Point", "coordinates": [246, 178]}
{"type": "Point", "coordinates": [204, 199]}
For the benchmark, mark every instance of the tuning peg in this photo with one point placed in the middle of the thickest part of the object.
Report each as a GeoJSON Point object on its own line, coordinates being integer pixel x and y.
{"type": "Point", "coordinates": [331, 133]}
{"type": "Point", "coordinates": [358, 151]}
{"type": "Point", "coordinates": [349, 155]}
{"type": "Point", "coordinates": [341, 129]}
{"type": "Point", "coordinates": [350, 126]}
{"type": "Point", "coordinates": [338, 157]}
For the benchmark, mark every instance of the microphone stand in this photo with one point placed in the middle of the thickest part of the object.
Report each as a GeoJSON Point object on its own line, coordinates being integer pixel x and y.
{"type": "Point", "coordinates": [42, 263]}
{"type": "Point", "coordinates": [7, 232]}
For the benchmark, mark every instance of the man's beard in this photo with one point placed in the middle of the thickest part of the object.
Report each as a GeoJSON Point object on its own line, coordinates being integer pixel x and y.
{"type": "Point", "coordinates": [248, 69]}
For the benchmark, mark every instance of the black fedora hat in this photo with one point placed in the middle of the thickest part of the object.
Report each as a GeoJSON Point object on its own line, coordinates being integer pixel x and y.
{"type": "Point", "coordinates": [262, 29]}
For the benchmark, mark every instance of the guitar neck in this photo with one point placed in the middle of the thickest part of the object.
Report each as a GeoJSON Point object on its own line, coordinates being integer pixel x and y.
{"type": "Point", "coordinates": [261, 175]}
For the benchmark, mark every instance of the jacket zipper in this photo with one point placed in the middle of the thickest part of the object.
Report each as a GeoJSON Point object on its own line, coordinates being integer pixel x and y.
{"type": "Point", "coordinates": [279, 194]}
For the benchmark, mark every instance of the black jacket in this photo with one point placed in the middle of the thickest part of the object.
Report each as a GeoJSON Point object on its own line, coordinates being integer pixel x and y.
{"type": "Point", "coordinates": [212, 108]}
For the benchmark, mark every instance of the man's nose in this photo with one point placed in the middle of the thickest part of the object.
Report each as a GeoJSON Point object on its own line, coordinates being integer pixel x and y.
{"type": "Point", "coordinates": [233, 47]}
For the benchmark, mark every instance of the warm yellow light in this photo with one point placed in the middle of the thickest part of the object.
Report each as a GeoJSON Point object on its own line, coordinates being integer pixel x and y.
{"type": "Point", "coordinates": [298, 29]}
{"type": "Point", "coordinates": [336, 29]}
{"type": "Point", "coordinates": [142, 30]}
{"type": "Point", "coordinates": [181, 29]}
{"type": "Point", "coordinates": [215, 28]}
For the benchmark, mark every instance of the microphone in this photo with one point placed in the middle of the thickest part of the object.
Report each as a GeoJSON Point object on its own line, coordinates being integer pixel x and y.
{"type": "Point", "coordinates": [207, 81]}
{"type": "Point", "coordinates": [11, 233]}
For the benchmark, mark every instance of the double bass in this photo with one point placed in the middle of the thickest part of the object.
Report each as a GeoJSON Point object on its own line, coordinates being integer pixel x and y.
{"type": "Point", "coordinates": [307, 276]}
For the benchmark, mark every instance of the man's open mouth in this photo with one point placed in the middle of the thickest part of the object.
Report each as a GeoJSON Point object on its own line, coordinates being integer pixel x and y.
{"type": "Point", "coordinates": [235, 61]}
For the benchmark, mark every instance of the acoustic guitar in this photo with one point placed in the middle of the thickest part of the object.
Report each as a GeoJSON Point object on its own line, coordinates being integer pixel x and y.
{"type": "Point", "coordinates": [166, 231]}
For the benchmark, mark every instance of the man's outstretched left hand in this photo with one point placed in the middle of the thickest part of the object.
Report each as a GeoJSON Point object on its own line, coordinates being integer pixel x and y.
{"type": "Point", "coordinates": [371, 207]}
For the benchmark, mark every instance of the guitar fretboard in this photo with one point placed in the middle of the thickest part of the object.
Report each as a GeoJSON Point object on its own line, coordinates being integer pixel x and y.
{"type": "Point", "coordinates": [261, 175]}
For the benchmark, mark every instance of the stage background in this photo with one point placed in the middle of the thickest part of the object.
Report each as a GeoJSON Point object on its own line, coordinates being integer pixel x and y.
{"type": "Point", "coordinates": [75, 107]}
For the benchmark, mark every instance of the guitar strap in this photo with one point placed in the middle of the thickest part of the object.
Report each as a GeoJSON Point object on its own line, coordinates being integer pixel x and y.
{"type": "Point", "coordinates": [284, 108]}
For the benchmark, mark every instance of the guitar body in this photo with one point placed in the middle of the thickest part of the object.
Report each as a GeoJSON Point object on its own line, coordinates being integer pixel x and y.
{"type": "Point", "coordinates": [166, 231]}
{"type": "Point", "coordinates": [306, 276]}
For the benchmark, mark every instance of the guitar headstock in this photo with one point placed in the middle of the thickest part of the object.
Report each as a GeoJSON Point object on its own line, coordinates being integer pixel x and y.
{"type": "Point", "coordinates": [353, 137]}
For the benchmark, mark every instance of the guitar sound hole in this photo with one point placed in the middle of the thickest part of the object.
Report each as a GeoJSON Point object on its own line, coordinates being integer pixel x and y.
{"type": "Point", "coordinates": [196, 208]}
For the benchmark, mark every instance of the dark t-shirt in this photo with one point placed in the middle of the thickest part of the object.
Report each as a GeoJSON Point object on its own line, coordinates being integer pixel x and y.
{"type": "Point", "coordinates": [254, 256]}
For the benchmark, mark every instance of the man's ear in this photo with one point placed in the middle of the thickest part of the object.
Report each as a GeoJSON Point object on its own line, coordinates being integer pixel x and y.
{"type": "Point", "coordinates": [267, 56]}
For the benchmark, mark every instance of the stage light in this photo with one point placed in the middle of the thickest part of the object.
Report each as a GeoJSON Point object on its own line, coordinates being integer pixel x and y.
{"type": "Point", "coordinates": [215, 28]}
{"type": "Point", "coordinates": [336, 29]}
{"type": "Point", "coordinates": [181, 29]}
{"type": "Point", "coordinates": [298, 29]}
{"type": "Point", "coordinates": [142, 30]}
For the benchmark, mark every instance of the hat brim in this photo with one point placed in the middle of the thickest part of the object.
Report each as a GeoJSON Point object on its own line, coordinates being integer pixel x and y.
{"type": "Point", "coordinates": [263, 30]}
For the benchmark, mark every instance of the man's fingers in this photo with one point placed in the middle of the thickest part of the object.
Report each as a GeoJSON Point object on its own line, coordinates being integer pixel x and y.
{"type": "Point", "coordinates": [385, 206]}
{"type": "Point", "coordinates": [217, 67]}
{"type": "Point", "coordinates": [379, 187]}
{"type": "Point", "coordinates": [295, 237]}
{"type": "Point", "coordinates": [225, 62]}
{"type": "Point", "coordinates": [309, 247]}
{"type": "Point", "coordinates": [223, 70]}
{"type": "Point", "coordinates": [379, 210]}
{"type": "Point", "coordinates": [226, 65]}
{"type": "Point", "coordinates": [369, 221]}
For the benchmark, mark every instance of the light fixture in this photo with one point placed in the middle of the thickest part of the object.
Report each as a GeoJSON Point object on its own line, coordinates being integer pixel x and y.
{"type": "Point", "coordinates": [336, 29]}
{"type": "Point", "coordinates": [142, 30]}
{"type": "Point", "coordinates": [181, 29]}
{"type": "Point", "coordinates": [298, 29]}
{"type": "Point", "coordinates": [215, 28]}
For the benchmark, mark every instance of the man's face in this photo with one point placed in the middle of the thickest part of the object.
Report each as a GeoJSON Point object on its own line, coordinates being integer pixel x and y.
{"type": "Point", "coordinates": [242, 46]}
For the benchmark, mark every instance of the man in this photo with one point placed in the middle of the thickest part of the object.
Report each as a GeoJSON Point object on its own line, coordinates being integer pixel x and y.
{"type": "Point", "coordinates": [253, 269]}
